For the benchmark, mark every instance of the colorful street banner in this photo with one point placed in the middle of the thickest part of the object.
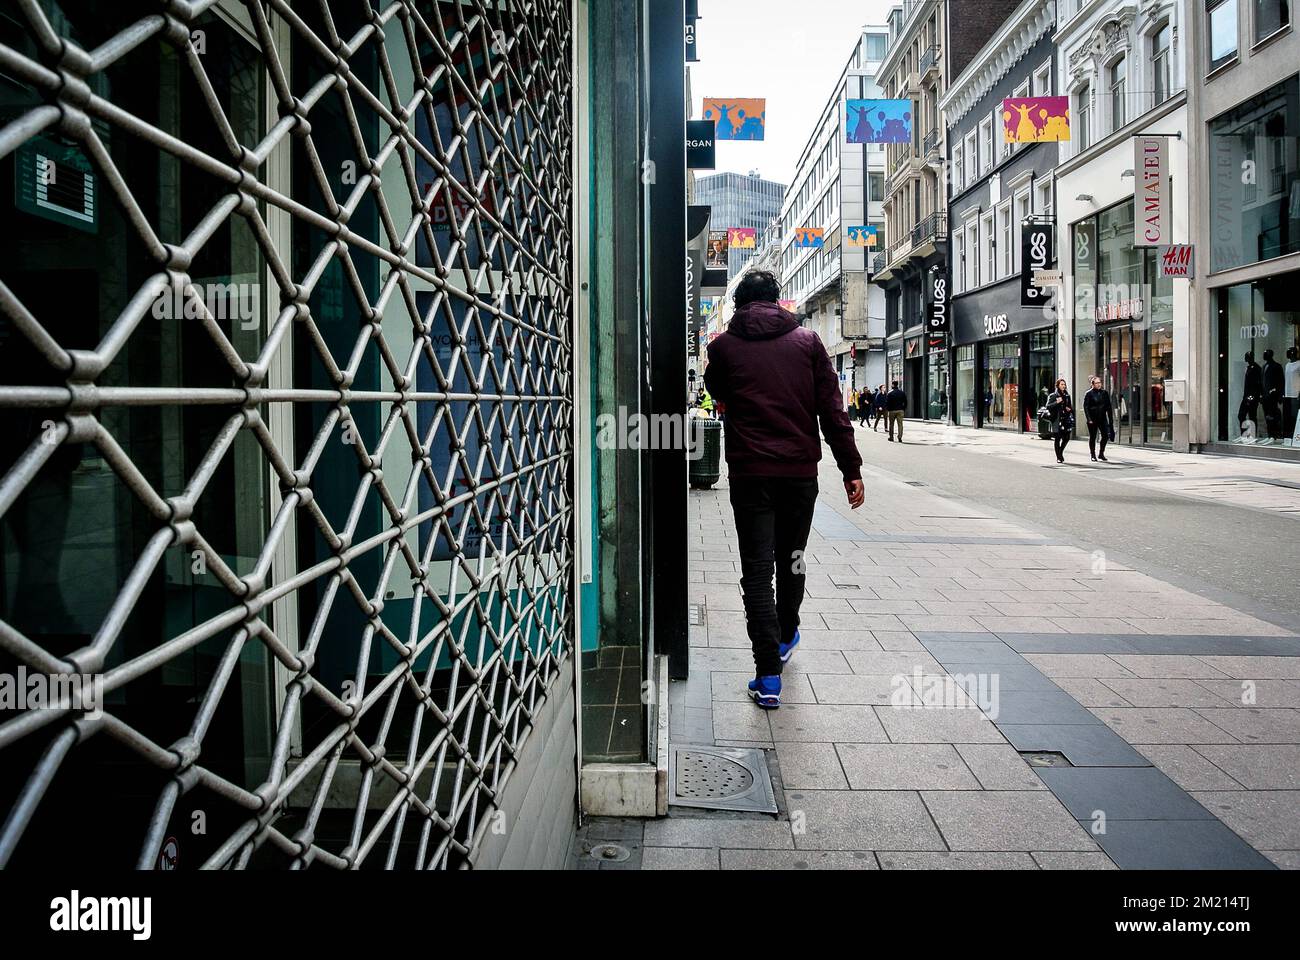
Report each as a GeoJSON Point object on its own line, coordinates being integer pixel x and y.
{"type": "Point", "coordinates": [1036, 119]}
{"type": "Point", "coordinates": [737, 118]}
{"type": "Point", "coordinates": [879, 121]}
{"type": "Point", "coordinates": [742, 238]}
{"type": "Point", "coordinates": [810, 238]}
{"type": "Point", "coordinates": [718, 250]}
{"type": "Point", "coordinates": [861, 236]}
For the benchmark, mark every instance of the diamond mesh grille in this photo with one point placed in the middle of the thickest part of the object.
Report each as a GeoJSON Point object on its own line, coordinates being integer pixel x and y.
{"type": "Point", "coordinates": [445, 585]}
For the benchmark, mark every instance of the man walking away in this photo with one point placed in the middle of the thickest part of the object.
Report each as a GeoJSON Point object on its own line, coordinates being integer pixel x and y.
{"type": "Point", "coordinates": [895, 405]}
{"type": "Point", "coordinates": [777, 383]}
{"type": "Point", "coordinates": [878, 406]}
{"type": "Point", "coordinates": [1099, 413]}
{"type": "Point", "coordinates": [866, 399]}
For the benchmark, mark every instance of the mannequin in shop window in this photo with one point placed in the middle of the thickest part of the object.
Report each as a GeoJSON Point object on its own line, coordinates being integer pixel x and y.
{"type": "Point", "coordinates": [1291, 377]}
{"type": "Point", "coordinates": [1274, 385]}
{"type": "Point", "coordinates": [1251, 391]}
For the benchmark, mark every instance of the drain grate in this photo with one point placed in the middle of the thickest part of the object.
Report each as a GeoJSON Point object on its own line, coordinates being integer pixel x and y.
{"type": "Point", "coordinates": [1045, 758]}
{"type": "Point", "coordinates": [720, 778]}
{"type": "Point", "coordinates": [696, 613]}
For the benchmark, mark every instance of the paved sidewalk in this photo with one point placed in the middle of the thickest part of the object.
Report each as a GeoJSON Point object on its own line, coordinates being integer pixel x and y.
{"type": "Point", "coordinates": [1179, 717]}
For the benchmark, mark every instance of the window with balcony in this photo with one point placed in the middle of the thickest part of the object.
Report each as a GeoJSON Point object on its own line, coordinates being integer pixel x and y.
{"type": "Point", "coordinates": [1223, 33]}
{"type": "Point", "coordinates": [1271, 16]}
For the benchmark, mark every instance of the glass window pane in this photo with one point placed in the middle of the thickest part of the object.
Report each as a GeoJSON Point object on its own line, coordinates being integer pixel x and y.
{"type": "Point", "coordinates": [1270, 17]}
{"type": "Point", "coordinates": [1223, 33]}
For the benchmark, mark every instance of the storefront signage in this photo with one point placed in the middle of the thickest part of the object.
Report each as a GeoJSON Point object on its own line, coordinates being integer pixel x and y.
{"type": "Point", "coordinates": [701, 145]}
{"type": "Point", "coordinates": [995, 325]}
{"type": "Point", "coordinates": [1036, 253]}
{"type": "Point", "coordinates": [1047, 278]}
{"type": "Point", "coordinates": [937, 301]}
{"type": "Point", "coordinates": [1151, 169]}
{"type": "Point", "coordinates": [1177, 260]}
{"type": "Point", "coordinates": [1119, 310]}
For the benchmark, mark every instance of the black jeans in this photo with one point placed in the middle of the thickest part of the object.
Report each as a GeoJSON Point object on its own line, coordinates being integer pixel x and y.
{"type": "Point", "coordinates": [1093, 430]}
{"type": "Point", "coordinates": [773, 518]}
{"type": "Point", "coordinates": [1062, 440]}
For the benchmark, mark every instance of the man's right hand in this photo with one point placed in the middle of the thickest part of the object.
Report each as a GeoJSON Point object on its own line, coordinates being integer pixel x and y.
{"type": "Point", "coordinates": [857, 493]}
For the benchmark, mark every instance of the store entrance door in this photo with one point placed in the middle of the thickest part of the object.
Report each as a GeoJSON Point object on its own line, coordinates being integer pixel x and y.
{"type": "Point", "coordinates": [1121, 361]}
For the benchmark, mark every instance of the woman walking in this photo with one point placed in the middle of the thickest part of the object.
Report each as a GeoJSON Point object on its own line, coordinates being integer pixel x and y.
{"type": "Point", "coordinates": [1099, 414]}
{"type": "Point", "coordinates": [1062, 410]}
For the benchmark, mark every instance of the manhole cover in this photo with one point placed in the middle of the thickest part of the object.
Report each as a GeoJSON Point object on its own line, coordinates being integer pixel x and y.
{"type": "Point", "coordinates": [915, 483]}
{"type": "Point", "coordinates": [720, 778]}
{"type": "Point", "coordinates": [1046, 758]}
{"type": "Point", "coordinates": [847, 586]}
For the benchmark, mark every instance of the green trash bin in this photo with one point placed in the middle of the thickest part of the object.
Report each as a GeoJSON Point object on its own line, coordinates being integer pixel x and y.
{"type": "Point", "coordinates": [705, 455]}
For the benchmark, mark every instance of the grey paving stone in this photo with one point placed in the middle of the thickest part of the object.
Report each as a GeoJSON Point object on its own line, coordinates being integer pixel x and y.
{"type": "Point", "coordinates": [946, 651]}
{"type": "Point", "coordinates": [1082, 745]}
{"type": "Point", "coordinates": [687, 831]}
{"type": "Point", "coordinates": [1256, 693]}
{"type": "Point", "coordinates": [862, 820]}
{"type": "Point", "coordinates": [897, 640]}
{"type": "Point", "coordinates": [1091, 693]}
{"type": "Point", "coordinates": [1121, 793]}
{"type": "Point", "coordinates": [927, 725]}
{"type": "Point", "coordinates": [810, 766]}
{"type": "Point", "coordinates": [998, 766]}
{"type": "Point", "coordinates": [1038, 706]}
{"type": "Point", "coordinates": [1256, 766]}
{"type": "Point", "coordinates": [956, 861]}
{"type": "Point", "coordinates": [1218, 645]}
{"type": "Point", "coordinates": [1162, 725]}
{"type": "Point", "coordinates": [1178, 845]}
{"type": "Point", "coordinates": [1255, 668]}
{"type": "Point", "coordinates": [1005, 820]}
{"type": "Point", "coordinates": [887, 663]}
{"type": "Point", "coordinates": [1267, 819]}
{"type": "Point", "coordinates": [851, 688]}
{"type": "Point", "coordinates": [1085, 665]}
{"type": "Point", "coordinates": [1049, 860]}
{"type": "Point", "coordinates": [1186, 767]}
{"type": "Point", "coordinates": [837, 640]}
{"type": "Point", "coordinates": [1171, 667]}
{"type": "Point", "coordinates": [954, 636]}
{"type": "Point", "coordinates": [1284, 859]}
{"type": "Point", "coordinates": [827, 723]}
{"type": "Point", "coordinates": [905, 766]}
{"type": "Point", "coordinates": [1011, 676]}
{"type": "Point", "coordinates": [1253, 725]}
{"type": "Point", "coordinates": [1163, 693]}
{"type": "Point", "coordinates": [741, 721]}
{"type": "Point", "coordinates": [798, 860]}
{"type": "Point", "coordinates": [669, 858]}
{"type": "Point", "coordinates": [1066, 643]}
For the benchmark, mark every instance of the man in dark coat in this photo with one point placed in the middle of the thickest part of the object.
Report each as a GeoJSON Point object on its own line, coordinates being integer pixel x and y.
{"type": "Point", "coordinates": [1274, 382]}
{"type": "Point", "coordinates": [1099, 413]}
{"type": "Point", "coordinates": [778, 385]}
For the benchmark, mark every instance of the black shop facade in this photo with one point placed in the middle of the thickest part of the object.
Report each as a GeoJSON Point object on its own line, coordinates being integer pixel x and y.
{"type": "Point", "coordinates": [1002, 359]}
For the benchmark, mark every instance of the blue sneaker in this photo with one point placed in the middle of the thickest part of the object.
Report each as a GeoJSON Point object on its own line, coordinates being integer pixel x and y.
{"type": "Point", "coordinates": [787, 649]}
{"type": "Point", "coordinates": [766, 692]}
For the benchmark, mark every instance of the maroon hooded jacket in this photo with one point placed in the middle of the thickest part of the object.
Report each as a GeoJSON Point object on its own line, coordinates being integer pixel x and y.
{"type": "Point", "coordinates": [777, 382]}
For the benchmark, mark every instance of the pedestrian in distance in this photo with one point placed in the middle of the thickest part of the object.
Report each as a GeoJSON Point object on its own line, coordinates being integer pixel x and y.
{"type": "Point", "coordinates": [866, 401]}
{"type": "Point", "coordinates": [895, 407]}
{"type": "Point", "coordinates": [777, 382]}
{"type": "Point", "coordinates": [1061, 408]}
{"type": "Point", "coordinates": [882, 398]}
{"type": "Point", "coordinates": [1099, 414]}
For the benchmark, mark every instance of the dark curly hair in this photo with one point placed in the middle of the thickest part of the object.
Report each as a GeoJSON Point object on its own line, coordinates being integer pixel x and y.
{"type": "Point", "coordinates": [758, 286]}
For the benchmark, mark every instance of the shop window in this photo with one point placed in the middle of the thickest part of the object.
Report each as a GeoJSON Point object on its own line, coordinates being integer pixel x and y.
{"type": "Point", "coordinates": [1002, 384]}
{"type": "Point", "coordinates": [965, 385]}
{"type": "Point", "coordinates": [1255, 180]}
{"type": "Point", "coordinates": [1259, 376]}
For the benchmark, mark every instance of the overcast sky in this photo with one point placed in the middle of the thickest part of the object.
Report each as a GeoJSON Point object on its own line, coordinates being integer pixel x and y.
{"type": "Point", "coordinates": [789, 51]}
